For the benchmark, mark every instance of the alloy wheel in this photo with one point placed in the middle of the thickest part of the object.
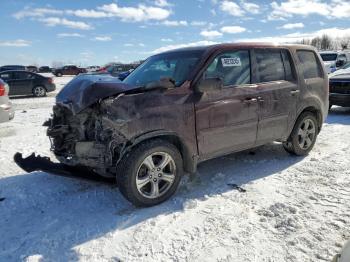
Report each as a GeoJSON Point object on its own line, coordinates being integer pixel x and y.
{"type": "Point", "coordinates": [155, 175]}
{"type": "Point", "coordinates": [39, 91]}
{"type": "Point", "coordinates": [306, 134]}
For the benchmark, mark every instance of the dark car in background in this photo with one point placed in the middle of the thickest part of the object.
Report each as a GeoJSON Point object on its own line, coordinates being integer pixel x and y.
{"type": "Point", "coordinates": [32, 69]}
{"type": "Point", "coordinates": [12, 67]}
{"type": "Point", "coordinates": [185, 106]}
{"type": "Point", "coordinates": [339, 90]}
{"type": "Point", "coordinates": [26, 83]}
{"type": "Point", "coordinates": [45, 69]}
{"type": "Point", "coordinates": [68, 70]}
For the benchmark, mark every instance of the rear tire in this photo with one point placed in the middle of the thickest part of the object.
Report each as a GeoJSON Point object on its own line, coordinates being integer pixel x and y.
{"type": "Point", "coordinates": [39, 91]}
{"type": "Point", "coordinates": [59, 74]}
{"type": "Point", "coordinates": [150, 173]}
{"type": "Point", "coordinates": [304, 134]}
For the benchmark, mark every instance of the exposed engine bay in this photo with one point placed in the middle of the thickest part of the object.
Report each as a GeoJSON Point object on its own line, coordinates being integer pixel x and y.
{"type": "Point", "coordinates": [83, 131]}
{"type": "Point", "coordinates": [89, 138]}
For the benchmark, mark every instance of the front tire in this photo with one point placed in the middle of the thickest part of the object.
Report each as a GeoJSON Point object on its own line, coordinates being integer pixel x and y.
{"type": "Point", "coordinates": [150, 173]}
{"type": "Point", "coordinates": [304, 134]}
{"type": "Point", "coordinates": [39, 91]}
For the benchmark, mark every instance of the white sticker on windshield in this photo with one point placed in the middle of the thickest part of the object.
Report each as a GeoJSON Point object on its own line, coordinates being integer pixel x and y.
{"type": "Point", "coordinates": [231, 61]}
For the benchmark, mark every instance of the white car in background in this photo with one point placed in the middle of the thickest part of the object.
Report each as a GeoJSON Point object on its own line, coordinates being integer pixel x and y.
{"type": "Point", "coordinates": [92, 68]}
{"type": "Point", "coordinates": [334, 59]}
{"type": "Point", "coordinates": [6, 109]}
{"type": "Point", "coordinates": [345, 69]}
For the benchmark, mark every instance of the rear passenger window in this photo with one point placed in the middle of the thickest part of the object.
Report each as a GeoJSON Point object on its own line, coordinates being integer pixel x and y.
{"type": "Point", "coordinates": [270, 65]}
{"type": "Point", "coordinates": [22, 75]}
{"type": "Point", "coordinates": [233, 67]}
{"type": "Point", "coordinates": [311, 67]}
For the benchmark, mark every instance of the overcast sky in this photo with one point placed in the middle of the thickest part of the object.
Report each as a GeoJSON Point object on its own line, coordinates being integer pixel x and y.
{"type": "Point", "coordinates": [96, 32]}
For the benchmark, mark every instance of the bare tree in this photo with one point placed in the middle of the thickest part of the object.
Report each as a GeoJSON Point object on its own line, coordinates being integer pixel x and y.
{"type": "Point", "coordinates": [316, 42]}
{"type": "Point", "coordinates": [326, 42]}
{"type": "Point", "coordinates": [345, 42]}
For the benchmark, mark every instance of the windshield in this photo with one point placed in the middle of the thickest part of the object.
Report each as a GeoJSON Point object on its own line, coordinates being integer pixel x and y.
{"type": "Point", "coordinates": [329, 57]}
{"type": "Point", "coordinates": [175, 65]}
{"type": "Point", "coordinates": [346, 66]}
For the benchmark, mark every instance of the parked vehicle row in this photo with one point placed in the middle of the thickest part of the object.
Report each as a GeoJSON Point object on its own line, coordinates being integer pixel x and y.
{"type": "Point", "coordinates": [33, 69]}
{"type": "Point", "coordinates": [117, 70]}
{"type": "Point", "coordinates": [27, 83]}
{"type": "Point", "coordinates": [185, 106]}
{"type": "Point", "coordinates": [333, 60]}
{"type": "Point", "coordinates": [93, 68]}
{"type": "Point", "coordinates": [68, 70]}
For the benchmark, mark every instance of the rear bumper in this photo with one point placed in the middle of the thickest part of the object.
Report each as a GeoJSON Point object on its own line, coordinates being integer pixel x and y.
{"type": "Point", "coordinates": [339, 99]}
{"type": "Point", "coordinates": [50, 87]}
{"type": "Point", "coordinates": [7, 112]}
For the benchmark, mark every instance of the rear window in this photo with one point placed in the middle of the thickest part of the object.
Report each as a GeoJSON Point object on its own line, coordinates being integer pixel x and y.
{"type": "Point", "coordinates": [270, 65]}
{"type": "Point", "coordinates": [329, 57]}
{"type": "Point", "coordinates": [311, 67]}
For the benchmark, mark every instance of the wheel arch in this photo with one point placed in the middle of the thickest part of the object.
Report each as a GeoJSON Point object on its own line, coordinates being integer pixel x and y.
{"type": "Point", "coordinates": [312, 109]}
{"type": "Point", "coordinates": [189, 163]}
{"type": "Point", "coordinates": [318, 114]}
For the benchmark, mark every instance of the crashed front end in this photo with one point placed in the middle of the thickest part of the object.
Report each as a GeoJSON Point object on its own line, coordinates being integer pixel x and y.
{"type": "Point", "coordinates": [83, 131]}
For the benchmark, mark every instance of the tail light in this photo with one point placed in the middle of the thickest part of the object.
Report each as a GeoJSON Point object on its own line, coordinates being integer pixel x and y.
{"type": "Point", "coordinates": [2, 89]}
{"type": "Point", "coordinates": [50, 80]}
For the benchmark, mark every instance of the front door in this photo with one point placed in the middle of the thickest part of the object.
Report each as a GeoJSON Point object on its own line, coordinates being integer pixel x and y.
{"type": "Point", "coordinates": [227, 117]}
{"type": "Point", "coordinates": [278, 93]}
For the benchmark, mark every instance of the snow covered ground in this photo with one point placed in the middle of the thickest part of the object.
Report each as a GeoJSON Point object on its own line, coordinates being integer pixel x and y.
{"type": "Point", "coordinates": [294, 208]}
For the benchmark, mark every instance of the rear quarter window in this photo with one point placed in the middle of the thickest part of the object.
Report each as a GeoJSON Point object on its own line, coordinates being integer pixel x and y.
{"type": "Point", "coordinates": [309, 63]}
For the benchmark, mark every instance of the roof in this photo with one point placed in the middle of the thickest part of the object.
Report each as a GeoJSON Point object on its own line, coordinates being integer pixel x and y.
{"type": "Point", "coordinates": [239, 45]}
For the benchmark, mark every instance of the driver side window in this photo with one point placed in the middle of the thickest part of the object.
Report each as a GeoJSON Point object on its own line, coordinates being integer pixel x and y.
{"type": "Point", "coordinates": [232, 67]}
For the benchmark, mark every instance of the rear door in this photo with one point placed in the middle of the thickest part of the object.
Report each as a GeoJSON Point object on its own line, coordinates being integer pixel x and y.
{"type": "Point", "coordinates": [22, 83]}
{"type": "Point", "coordinates": [227, 117]}
{"type": "Point", "coordinates": [278, 92]}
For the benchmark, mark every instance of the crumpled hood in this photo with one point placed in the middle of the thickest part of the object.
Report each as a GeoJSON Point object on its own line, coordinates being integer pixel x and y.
{"type": "Point", "coordinates": [84, 90]}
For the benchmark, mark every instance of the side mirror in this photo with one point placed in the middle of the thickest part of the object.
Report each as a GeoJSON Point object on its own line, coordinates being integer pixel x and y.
{"type": "Point", "coordinates": [210, 84]}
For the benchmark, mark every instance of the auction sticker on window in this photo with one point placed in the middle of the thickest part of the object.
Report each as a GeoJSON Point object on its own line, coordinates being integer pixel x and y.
{"type": "Point", "coordinates": [231, 61]}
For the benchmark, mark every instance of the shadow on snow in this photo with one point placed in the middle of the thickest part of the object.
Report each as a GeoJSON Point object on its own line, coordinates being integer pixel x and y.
{"type": "Point", "coordinates": [51, 215]}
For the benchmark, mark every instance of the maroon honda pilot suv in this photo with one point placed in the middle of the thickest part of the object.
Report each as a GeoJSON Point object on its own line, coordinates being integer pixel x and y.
{"type": "Point", "coordinates": [185, 106]}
